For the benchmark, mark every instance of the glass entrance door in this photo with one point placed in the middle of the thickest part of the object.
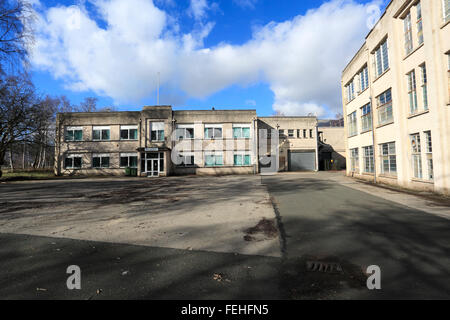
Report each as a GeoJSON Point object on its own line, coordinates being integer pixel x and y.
{"type": "Point", "coordinates": [153, 163]}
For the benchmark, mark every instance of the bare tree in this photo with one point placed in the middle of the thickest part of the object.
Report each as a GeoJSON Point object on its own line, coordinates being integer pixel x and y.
{"type": "Point", "coordinates": [89, 104]}
{"type": "Point", "coordinates": [18, 112]}
{"type": "Point", "coordinates": [16, 35]}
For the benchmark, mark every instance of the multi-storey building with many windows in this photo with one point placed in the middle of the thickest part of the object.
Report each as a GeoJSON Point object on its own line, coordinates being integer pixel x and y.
{"type": "Point", "coordinates": [159, 141]}
{"type": "Point", "coordinates": [396, 98]}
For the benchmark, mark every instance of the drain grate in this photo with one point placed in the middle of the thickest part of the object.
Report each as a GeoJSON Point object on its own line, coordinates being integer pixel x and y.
{"type": "Point", "coordinates": [323, 267]}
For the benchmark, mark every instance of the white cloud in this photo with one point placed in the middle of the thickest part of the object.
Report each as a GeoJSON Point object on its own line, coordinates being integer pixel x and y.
{"type": "Point", "coordinates": [246, 4]}
{"type": "Point", "coordinates": [198, 9]}
{"type": "Point", "coordinates": [300, 59]}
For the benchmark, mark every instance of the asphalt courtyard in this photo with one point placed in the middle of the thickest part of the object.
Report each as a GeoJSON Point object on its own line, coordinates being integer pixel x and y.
{"type": "Point", "coordinates": [213, 238]}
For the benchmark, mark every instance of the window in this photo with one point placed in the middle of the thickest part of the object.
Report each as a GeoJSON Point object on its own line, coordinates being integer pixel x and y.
{"type": "Point", "coordinates": [214, 159]}
{"type": "Point", "coordinates": [388, 159]}
{"type": "Point", "coordinates": [100, 160]}
{"type": "Point", "coordinates": [381, 58]}
{"type": "Point", "coordinates": [241, 131]}
{"type": "Point", "coordinates": [241, 159]}
{"type": "Point", "coordinates": [354, 160]}
{"type": "Point", "coordinates": [419, 24]}
{"type": "Point", "coordinates": [304, 133]}
{"type": "Point", "coordinates": [364, 79]}
{"type": "Point", "coordinates": [185, 132]}
{"type": "Point", "coordinates": [281, 133]}
{"type": "Point", "coordinates": [291, 133]}
{"type": "Point", "coordinates": [157, 131]}
{"type": "Point", "coordinates": [368, 159]}
{"type": "Point", "coordinates": [350, 91]}
{"type": "Point", "coordinates": [311, 133]}
{"type": "Point", "coordinates": [73, 162]}
{"type": "Point", "coordinates": [384, 106]}
{"type": "Point", "coordinates": [298, 133]}
{"type": "Point", "coordinates": [408, 33]}
{"type": "Point", "coordinates": [352, 125]}
{"type": "Point", "coordinates": [128, 160]}
{"type": "Point", "coordinates": [186, 160]}
{"type": "Point", "coordinates": [366, 118]}
{"type": "Point", "coordinates": [423, 72]}
{"type": "Point", "coordinates": [416, 160]}
{"type": "Point", "coordinates": [213, 132]}
{"type": "Point", "coordinates": [128, 133]}
{"type": "Point", "coordinates": [100, 133]}
{"type": "Point", "coordinates": [412, 93]}
{"type": "Point", "coordinates": [74, 134]}
{"type": "Point", "coordinates": [429, 154]}
{"type": "Point", "coordinates": [446, 10]}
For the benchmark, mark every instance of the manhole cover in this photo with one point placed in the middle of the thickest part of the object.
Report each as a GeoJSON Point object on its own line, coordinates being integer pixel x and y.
{"type": "Point", "coordinates": [323, 267]}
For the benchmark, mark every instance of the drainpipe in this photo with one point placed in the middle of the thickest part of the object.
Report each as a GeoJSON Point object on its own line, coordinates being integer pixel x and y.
{"type": "Point", "coordinates": [372, 112]}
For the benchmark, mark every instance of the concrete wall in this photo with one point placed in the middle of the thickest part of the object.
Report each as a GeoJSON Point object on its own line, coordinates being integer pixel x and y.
{"type": "Point", "coordinates": [436, 119]}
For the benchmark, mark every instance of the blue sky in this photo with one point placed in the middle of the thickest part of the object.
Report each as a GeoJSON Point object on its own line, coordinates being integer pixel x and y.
{"type": "Point", "coordinates": [256, 54]}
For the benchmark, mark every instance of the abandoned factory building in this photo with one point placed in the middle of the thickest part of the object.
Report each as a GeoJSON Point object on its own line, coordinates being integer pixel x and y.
{"type": "Point", "coordinates": [159, 141]}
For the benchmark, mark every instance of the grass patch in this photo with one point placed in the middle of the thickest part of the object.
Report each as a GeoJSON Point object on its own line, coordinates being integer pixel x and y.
{"type": "Point", "coordinates": [27, 175]}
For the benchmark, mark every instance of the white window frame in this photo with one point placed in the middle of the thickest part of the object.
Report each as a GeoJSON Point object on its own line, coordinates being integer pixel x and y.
{"type": "Point", "coordinates": [73, 129]}
{"type": "Point", "coordinates": [368, 159]}
{"type": "Point", "coordinates": [352, 124]}
{"type": "Point", "coordinates": [381, 56]}
{"type": "Point", "coordinates": [72, 156]}
{"type": "Point", "coordinates": [354, 160]}
{"type": "Point", "coordinates": [158, 127]}
{"type": "Point", "coordinates": [366, 117]}
{"type": "Point", "coordinates": [412, 92]}
{"type": "Point", "coordinates": [183, 128]}
{"type": "Point", "coordinates": [384, 108]}
{"type": "Point", "coordinates": [429, 154]}
{"type": "Point", "coordinates": [101, 129]}
{"type": "Point", "coordinates": [242, 155]}
{"type": "Point", "coordinates": [101, 156]}
{"type": "Point", "coordinates": [214, 154]}
{"type": "Point", "coordinates": [128, 156]}
{"type": "Point", "coordinates": [446, 10]}
{"type": "Point", "coordinates": [213, 127]}
{"type": "Point", "coordinates": [407, 29]}
{"type": "Point", "coordinates": [416, 156]}
{"type": "Point", "coordinates": [128, 128]}
{"type": "Point", "coordinates": [242, 127]}
{"type": "Point", "coordinates": [388, 153]}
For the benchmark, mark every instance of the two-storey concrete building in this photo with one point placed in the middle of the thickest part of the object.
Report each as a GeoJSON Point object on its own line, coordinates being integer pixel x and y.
{"type": "Point", "coordinates": [396, 98]}
{"type": "Point", "coordinates": [159, 141]}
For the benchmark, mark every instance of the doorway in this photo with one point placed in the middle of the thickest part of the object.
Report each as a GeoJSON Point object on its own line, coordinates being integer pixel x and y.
{"type": "Point", "coordinates": [152, 163]}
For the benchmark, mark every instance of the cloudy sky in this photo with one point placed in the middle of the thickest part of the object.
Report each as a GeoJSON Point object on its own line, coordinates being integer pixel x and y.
{"type": "Point", "coordinates": [270, 55]}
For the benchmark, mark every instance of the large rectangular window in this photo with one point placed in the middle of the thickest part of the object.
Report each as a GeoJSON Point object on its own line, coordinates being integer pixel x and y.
{"type": "Point", "coordinates": [128, 160]}
{"type": "Point", "coordinates": [100, 133]}
{"type": "Point", "coordinates": [446, 10]}
{"type": "Point", "coordinates": [73, 161]}
{"type": "Point", "coordinates": [213, 132]}
{"type": "Point", "coordinates": [100, 160]}
{"type": "Point", "coordinates": [419, 24]}
{"type": "Point", "coordinates": [241, 159]}
{"type": "Point", "coordinates": [354, 160]}
{"type": "Point", "coordinates": [416, 160]}
{"type": "Point", "coordinates": [350, 88]}
{"type": "Point", "coordinates": [368, 159]}
{"type": "Point", "coordinates": [384, 106]}
{"type": "Point", "coordinates": [412, 92]}
{"type": "Point", "coordinates": [408, 33]}
{"type": "Point", "coordinates": [241, 131]}
{"type": "Point", "coordinates": [74, 134]}
{"type": "Point", "coordinates": [128, 133]}
{"type": "Point", "coordinates": [213, 159]}
{"type": "Point", "coordinates": [157, 131]}
{"type": "Point", "coordinates": [388, 159]}
{"type": "Point", "coordinates": [185, 132]}
{"type": "Point", "coordinates": [186, 160]}
{"type": "Point", "coordinates": [366, 118]}
{"type": "Point", "coordinates": [429, 154]}
{"type": "Point", "coordinates": [381, 58]}
{"type": "Point", "coordinates": [364, 79]}
{"type": "Point", "coordinates": [352, 124]}
{"type": "Point", "coordinates": [423, 71]}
